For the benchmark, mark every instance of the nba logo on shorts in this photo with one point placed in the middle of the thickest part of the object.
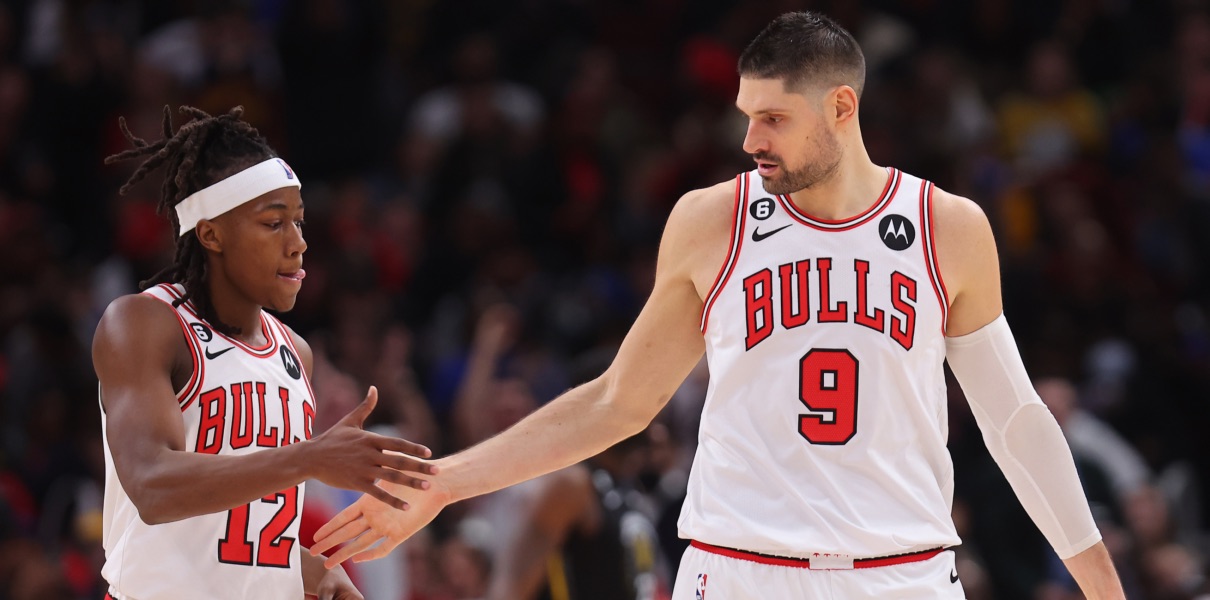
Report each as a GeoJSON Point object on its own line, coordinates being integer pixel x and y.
{"type": "Point", "coordinates": [701, 586]}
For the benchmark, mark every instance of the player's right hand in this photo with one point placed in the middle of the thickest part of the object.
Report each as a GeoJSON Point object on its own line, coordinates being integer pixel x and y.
{"type": "Point", "coordinates": [369, 529]}
{"type": "Point", "coordinates": [349, 457]}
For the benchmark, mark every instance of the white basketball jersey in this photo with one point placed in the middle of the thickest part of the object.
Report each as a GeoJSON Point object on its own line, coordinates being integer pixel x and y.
{"type": "Point", "coordinates": [825, 425]}
{"type": "Point", "coordinates": [239, 400]}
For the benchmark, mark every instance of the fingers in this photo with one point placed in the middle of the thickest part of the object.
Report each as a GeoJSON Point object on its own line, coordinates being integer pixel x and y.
{"type": "Point", "coordinates": [338, 522]}
{"type": "Point", "coordinates": [349, 531]}
{"type": "Point", "coordinates": [410, 465]}
{"type": "Point", "coordinates": [375, 552]}
{"type": "Point", "coordinates": [398, 478]}
{"type": "Point", "coordinates": [358, 415]}
{"type": "Point", "coordinates": [403, 446]}
{"type": "Point", "coordinates": [386, 498]}
{"type": "Point", "coordinates": [365, 541]}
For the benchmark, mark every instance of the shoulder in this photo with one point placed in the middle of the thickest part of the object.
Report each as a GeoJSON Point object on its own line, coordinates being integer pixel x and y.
{"type": "Point", "coordinates": [139, 313]}
{"type": "Point", "coordinates": [712, 208]}
{"type": "Point", "coordinates": [957, 219]}
{"type": "Point", "coordinates": [698, 232]}
{"type": "Point", "coordinates": [969, 263]}
{"type": "Point", "coordinates": [137, 325]}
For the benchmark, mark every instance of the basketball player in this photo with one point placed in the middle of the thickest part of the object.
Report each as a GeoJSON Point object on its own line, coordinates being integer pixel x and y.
{"type": "Point", "coordinates": [206, 404]}
{"type": "Point", "coordinates": [826, 292]}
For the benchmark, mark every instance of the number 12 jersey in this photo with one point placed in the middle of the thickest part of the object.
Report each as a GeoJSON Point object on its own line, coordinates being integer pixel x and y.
{"type": "Point", "coordinates": [240, 399]}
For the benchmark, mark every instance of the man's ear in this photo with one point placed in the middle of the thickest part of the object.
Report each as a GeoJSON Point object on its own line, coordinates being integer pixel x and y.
{"type": "Point", "coordinates": [209, 235]}
{"type": "Point", "coordinates": [843, 102]}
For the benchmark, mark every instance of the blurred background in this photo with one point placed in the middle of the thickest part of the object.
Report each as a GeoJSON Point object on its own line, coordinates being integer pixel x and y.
{"type": "Point", "coordinates": [486, 183]}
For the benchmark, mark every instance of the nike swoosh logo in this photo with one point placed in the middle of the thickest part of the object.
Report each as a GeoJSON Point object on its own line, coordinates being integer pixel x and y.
{"type": "Point", "coordinates": [758, 236]}
{"type": "Point", "coordinates": [953, 576]}
{"type": "Point", "coordinates": [217, 354]}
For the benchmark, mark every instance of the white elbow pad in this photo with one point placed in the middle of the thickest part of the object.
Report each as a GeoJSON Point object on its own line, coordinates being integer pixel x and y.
{"type": "Point", "coordinates": [1023, 436]}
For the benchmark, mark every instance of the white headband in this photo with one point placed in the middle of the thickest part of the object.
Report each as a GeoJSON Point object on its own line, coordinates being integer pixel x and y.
{"type": "Point", "coordinates": [208, 203]}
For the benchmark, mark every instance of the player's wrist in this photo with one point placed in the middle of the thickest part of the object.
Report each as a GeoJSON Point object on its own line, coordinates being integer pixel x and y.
{"type": "Point", "coordinates": [445, 485]}
{"type": "Point", "coordinates": [299, 460]}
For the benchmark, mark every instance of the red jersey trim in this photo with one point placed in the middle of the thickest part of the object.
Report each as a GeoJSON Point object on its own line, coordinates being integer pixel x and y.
{"type": "Point", "coordinates": [894, 176]}
{"type": "Point", "coordinates": [191, 389]}
{"type": "Point", "coordinates": [262, 352]}
{"type": "Point", "coordinates": [805, 563]}
{"type": "Point", "coordinates": [199, 365]}
{"type": "Point", "coordinates": [734, 245]}
{"type": "Point", "coordinates": [930, 251]}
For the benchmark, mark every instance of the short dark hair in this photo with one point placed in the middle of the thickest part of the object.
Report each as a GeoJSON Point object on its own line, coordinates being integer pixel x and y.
{"type": "Point", "coordinates": [199, 154]}
{"type": "Point", "coordinates": [805, 48]}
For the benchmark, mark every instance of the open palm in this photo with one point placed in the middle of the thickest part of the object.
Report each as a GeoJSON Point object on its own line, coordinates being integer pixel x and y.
{"type": "Point", "coordinates": [371, 528]}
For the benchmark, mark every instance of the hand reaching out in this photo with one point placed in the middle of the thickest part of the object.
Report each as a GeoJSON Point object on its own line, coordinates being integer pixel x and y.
{"type": "Point", "coordinates": [368, 522]}
{"type": "Point", "coordinates": [347, 456]}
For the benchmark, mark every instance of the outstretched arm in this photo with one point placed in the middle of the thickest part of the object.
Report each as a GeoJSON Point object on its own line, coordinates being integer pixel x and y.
{"type": "Point", "coordinates": [137, 346]}
{"type": "Point", "coordinates": [1018, 429]}
{"type": "Point", "coordinates": [661, 348]}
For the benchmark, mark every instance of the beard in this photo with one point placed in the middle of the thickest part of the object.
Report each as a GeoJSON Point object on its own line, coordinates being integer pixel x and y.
{"type": "Point", "coordinates": [788, 181]}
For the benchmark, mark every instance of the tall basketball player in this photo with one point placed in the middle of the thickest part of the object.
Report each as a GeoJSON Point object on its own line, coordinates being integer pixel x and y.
{"type": "Point", "coordinates": [826, 292]}
{"type": "Point", "coordinates": [206, 402]}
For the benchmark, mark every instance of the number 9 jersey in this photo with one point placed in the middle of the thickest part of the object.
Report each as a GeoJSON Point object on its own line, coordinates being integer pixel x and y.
{"type": "Point", "coordinates": [240, 399]}
{"type": "Point", "coordinates": [825, 423]}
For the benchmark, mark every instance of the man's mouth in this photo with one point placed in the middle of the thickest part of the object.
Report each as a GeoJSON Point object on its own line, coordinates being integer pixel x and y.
{"type": "Point", "coordinates": [765, 168]}
{"type": "Point", "coordinates": [298, 275]}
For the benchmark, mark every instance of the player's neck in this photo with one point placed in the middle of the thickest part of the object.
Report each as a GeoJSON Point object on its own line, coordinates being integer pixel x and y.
{"type": "Point", "coordinates": [233, 308]}
{"type": "Point", "coordinates": [856, 185]}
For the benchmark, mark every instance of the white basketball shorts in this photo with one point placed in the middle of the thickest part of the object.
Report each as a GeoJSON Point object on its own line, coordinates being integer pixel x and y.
{"type": "Point", "coordinates": [719, 574]}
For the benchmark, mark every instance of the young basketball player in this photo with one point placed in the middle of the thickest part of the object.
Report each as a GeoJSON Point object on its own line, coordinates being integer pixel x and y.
{"type": "Point", "coordinates": [826, 292]}
{"type": "Point", "coordinates": [206, 401]}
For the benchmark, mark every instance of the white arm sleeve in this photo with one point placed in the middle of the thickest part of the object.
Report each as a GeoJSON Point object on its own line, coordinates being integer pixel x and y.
{"type": "Point", "coordinates": [1023, 436]}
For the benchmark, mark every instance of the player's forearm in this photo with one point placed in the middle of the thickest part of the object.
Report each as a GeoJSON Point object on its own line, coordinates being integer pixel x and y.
{"type": "Point", "coordinates": [575, 426]}
{"type": "Point", "coordinates": [1022, 436]}
{"type": "Point", "coordinates": [1093, 570]}
{"type": "Point", "coordinates": [176, 485]}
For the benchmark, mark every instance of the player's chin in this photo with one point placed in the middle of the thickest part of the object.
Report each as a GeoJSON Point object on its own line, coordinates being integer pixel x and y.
{"type": "Point", "coordinates": [775, 184]}
{"type": "Point", "coordinates": [282, 302]}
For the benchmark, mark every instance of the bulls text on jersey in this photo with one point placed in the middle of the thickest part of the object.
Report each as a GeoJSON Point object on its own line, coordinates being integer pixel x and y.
{"type": "Point", "coordinates": [239, 416]}
{"type": "Point", "coordinates": [789, 302]}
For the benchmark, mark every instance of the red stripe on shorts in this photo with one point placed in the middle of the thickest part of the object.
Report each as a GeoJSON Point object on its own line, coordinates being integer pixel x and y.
{"type": "Point", "coordinates": [805, 563]}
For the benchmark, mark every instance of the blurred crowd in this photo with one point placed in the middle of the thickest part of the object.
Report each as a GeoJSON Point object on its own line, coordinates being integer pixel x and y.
{"type": "Point", "coordinates": [486, 182]}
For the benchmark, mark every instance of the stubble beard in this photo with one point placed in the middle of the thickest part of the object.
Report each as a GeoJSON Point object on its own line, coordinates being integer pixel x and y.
{"type": "Point", "coordinates": [812, 174]}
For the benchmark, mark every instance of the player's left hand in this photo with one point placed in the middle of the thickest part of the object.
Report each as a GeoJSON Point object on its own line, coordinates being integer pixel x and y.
{"type": "Point", "coordinates": [336, 585]}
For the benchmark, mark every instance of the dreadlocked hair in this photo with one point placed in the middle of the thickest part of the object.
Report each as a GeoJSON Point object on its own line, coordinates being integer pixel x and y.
{"type": "Point", "coordinates": [199, 154]}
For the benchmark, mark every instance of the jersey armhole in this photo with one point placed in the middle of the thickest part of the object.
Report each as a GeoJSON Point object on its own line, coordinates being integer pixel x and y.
{"type": "Point", "coordinates": [733, 246]}
{"type": "Point", "coordinates": [930, 250]}
{"type": "Point", "coordinates": [187, 394]}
